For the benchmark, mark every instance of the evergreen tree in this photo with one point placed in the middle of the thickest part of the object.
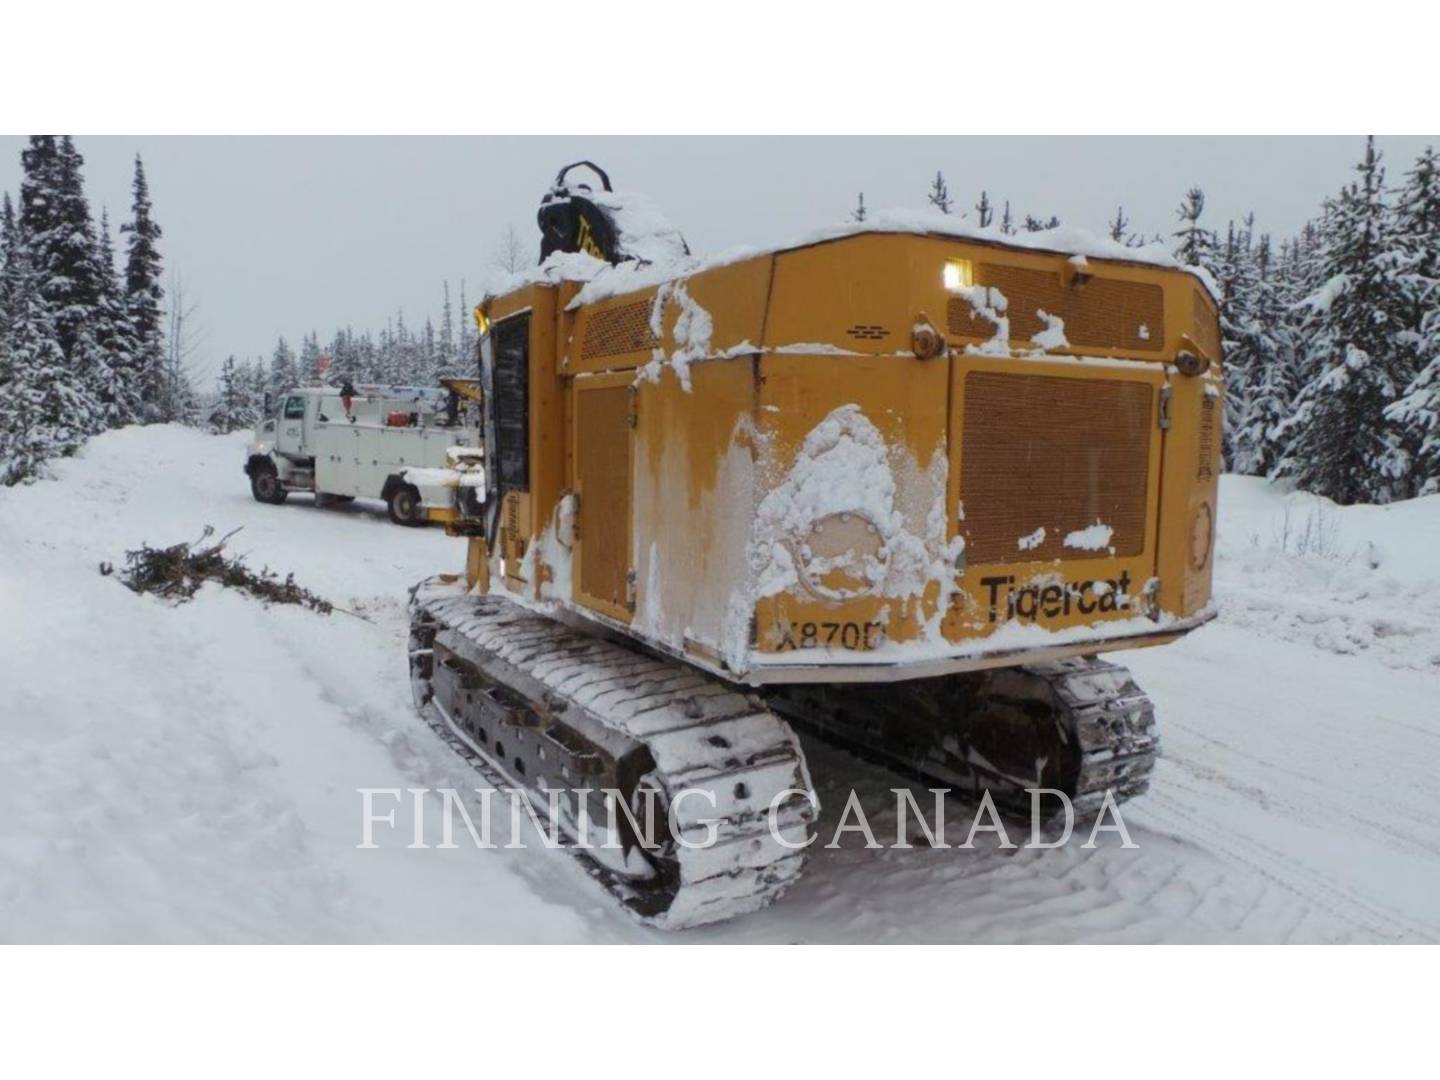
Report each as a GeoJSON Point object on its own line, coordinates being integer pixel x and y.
{"type": "Point", "coordinates": [447, 336]}
{"type": "Point", "coordinates": [1239, 336]}
{"type": "Point", "coordinates": [9, 259]}
{"type": "Point", "coordinates": [45, 409]}
{"type": "Point", "coordinates": [1265, 347]}
{"type": "Point", "coordinates": [427, 369]}
{"type": "Point", "coordinates": [343, 360]}
{"type": "Point", "coordinates": [984, 211]}
{"type": "Point", "coordinates": [74, 287]}
{"type": "Point", "coordinates": [1417, 413]}
{"type": "Point", "coordinates": [309, 361]}
{"type": "Point", "coordinates": [940, 194]}
{"type": "Point", "coordinates": [284, 374]}
{"type": "Point", "coordinates": [1120, 227]}
{"type": "Point", "coordinates": [233, 407]}
{"type": "Point", "coordinates": [858, 214]}
{"type": "Point", "coordinates": [467, 335]}
{"type": "Point", "coordinates": [143, 297]}
{"type": "Point", "coordinates": [1417, 229]}
{"type": "Point", "coordinates": [1341, 444]}
{"type": "Point", "coordinates": [1007, 223]}
{"type": "Point", "coordinates": [115, 383]}
{"type": "Point", "coordinates": [1195, 244]}
{"type": "Point", "coordinates": [256, 382]}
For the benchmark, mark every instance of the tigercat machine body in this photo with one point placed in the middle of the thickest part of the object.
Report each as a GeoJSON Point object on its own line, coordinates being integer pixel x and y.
{"type": "Point", "coordinates": [895, 488]}
{"type": "Point", "coordinates": [712, 510]}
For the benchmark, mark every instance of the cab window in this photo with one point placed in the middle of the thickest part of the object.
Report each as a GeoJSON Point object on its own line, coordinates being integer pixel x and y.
{"type": "Point", "coordinates": [511, 402]}
{"type": "Point", "coordinates": [295, 408]}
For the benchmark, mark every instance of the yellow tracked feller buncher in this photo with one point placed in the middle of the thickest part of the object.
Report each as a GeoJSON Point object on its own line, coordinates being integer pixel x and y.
{"type": "Point", "coordinates": [900, 485]}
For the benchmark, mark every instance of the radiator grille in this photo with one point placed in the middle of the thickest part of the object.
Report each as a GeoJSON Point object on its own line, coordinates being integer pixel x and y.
{"type": "Point", "coordinates": [618, 330]}
{"type": "Point", "coordinates": [1040, 451]}
{"type": "Point", "coordinates": [1105, 313]}
{"type": "Point", "coordinates": [602, 424]}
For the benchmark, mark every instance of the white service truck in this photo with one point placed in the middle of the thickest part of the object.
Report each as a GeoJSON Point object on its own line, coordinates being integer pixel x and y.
{"type": "Point", "coordinates": [416, 448]}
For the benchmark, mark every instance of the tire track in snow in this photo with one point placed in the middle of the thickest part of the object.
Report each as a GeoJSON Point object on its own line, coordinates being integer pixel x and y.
{"type": "Point", "coordinates": [1308, 884]}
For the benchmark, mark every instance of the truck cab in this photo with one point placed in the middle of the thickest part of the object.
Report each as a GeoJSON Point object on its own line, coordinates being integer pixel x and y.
{"type": "Point", "coordinates": [293, 422]}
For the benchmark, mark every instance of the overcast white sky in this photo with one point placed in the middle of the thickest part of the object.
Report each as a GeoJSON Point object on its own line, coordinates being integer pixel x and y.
{"type": "Point", "coordinates": [283, 235]}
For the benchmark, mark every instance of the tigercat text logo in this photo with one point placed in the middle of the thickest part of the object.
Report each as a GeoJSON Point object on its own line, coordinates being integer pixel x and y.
{"type": "Point", "coordinates": [1053, 599]}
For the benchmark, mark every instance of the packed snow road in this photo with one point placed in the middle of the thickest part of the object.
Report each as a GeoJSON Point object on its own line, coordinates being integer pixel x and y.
{"type": "Point", "coordinates": [190, 773]}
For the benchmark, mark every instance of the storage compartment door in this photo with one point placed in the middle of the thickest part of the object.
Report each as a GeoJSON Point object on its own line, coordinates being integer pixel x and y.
{"type": "Point", "coordinates": [603, 465]}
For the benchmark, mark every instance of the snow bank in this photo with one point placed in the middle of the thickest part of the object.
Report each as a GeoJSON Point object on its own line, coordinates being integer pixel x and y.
{"type": "Point", "coordinates": [1349, 580]}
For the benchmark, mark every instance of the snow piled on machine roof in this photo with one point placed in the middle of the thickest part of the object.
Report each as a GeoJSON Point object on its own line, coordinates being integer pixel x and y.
{"type": "Point", "coordinates": [650, 238]}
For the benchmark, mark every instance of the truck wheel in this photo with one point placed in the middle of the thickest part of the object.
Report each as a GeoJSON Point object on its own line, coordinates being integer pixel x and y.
{"type": "Point", "coordinates": [265, 485]}
{"type": "Point", "coordinates": [404, 506]}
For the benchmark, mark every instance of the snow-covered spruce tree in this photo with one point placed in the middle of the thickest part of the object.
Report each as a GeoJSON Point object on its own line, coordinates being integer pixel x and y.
{"type": "Point", "coordinates": [232, 410]}
{"type": "Point", "coordinates": [344, 361]}
{"type": "Point", "coordinates": [466, 344]}
{"type": "Point", "coordinates": [1194, 244]}
{"type": "Point", "coordinates": [143, 297]}
{"type": "Point", "coordinates": [1235, 275]}
{"type": "Point", "coordinates": [428, 364]}
{"type": "Point", "coordinates": [9, 259]}
{"type": "Point", "coordinates": [253, 378]}
{"type": "Point", "coordinates": [985, 213]}
{"type": "Point", "coordinates": [284, 375]}
{"type": "Point", "coordinates": [45, 407]}
{"type": "Point", "coordinates": [114, 381]}
{"type": "Point", "coordinates": [1266, 346]}
{"type": "Point", "coordinates": [939, 196]}
{"type": "Point", "coordinates": [1417, 231]}
{"type": "Point", "coordinates": [858, 214]}
{"type": "Point", "coordinates": [446, 344]}
{"type": "Point", "coordinates": [1034, 224]}
{"type": "Point", "coordinates": [309, 362]}
{"type": "Point", "coordinates": [365, 357]}
{"type": "Point", "coordinates": [1340, 443]}
{"type": "Point", "coordinates": [59, 239]}
{"type": "Point", "coordinates": [1007, 223]}
{"type": "Point", "coordinates": [68, 251]}
{"type": "Point", "coordinates": [398, 352]}
{"type": "Point", "coordinates": [1417, 412]}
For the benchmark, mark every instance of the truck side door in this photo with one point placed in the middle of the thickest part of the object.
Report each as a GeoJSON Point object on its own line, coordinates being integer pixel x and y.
{"type": "Point", "coordinates": [290, 429]}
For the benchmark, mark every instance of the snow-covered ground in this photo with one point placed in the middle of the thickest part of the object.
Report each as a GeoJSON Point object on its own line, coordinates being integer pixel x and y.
{"type": "Point", "coordinates": [190, 773]}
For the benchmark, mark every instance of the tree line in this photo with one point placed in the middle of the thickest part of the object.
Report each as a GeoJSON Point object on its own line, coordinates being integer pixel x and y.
{"type": "Point", "coordinates": [1331, 337]}
{"type": "Point", "coordinates": [82, 346]}
{"type": "Point", "coordinates": [396, 355]}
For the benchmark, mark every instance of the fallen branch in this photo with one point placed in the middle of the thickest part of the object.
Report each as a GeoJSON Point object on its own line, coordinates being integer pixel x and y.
{"type": "Point", "coordinates": [176, 574]}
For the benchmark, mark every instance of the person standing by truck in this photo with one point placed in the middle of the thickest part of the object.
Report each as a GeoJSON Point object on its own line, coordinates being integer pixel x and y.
{"type": "Point", "coordinates": [347, 395]}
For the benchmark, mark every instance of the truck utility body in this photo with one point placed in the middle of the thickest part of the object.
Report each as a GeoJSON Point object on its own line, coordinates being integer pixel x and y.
{"type": "Point", "coordinates": [413, 447]}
